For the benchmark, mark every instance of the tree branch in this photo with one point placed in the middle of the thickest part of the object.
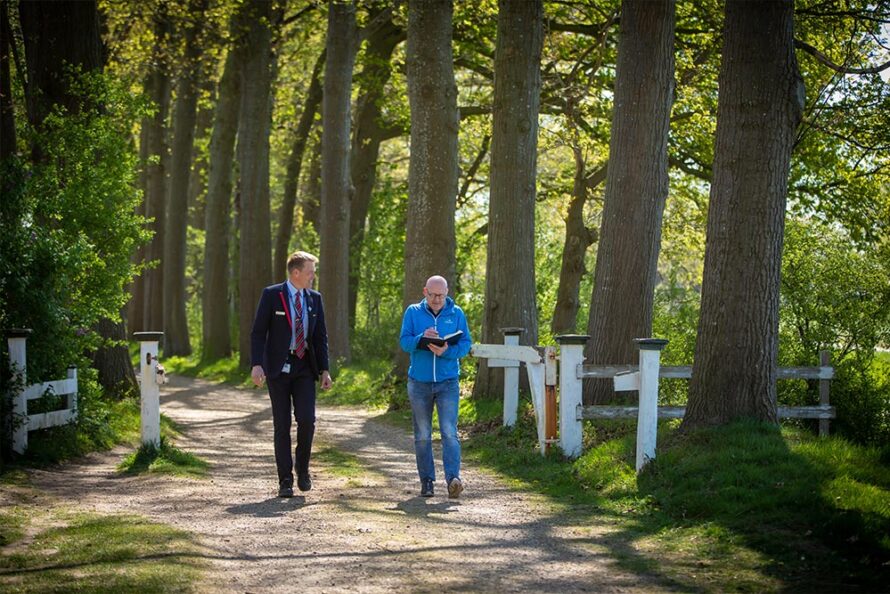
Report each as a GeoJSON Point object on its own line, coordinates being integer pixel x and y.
{"type": "Point", "coordinates": [823, 59]}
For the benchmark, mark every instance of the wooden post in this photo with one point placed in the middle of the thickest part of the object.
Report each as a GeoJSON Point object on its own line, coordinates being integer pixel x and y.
{"type": "Point", "coordinates": [647, 422]}
{"type": "Point", "coordinates": [824, 361]}
{"type": "Point", "coordinates": [549, 395]}
{"type": "Point", "coordinates": [511, 377]}
{"type": "Point", "coordinates": [571, 355]}
{"type": "Point", "coordinates": [16, 339]}
{"type": "Point", "coordinates": [148, 387]}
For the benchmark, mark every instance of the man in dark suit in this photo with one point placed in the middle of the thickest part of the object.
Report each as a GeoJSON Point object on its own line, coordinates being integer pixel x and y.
{"type": "Point", "coordinates": [289, 350]}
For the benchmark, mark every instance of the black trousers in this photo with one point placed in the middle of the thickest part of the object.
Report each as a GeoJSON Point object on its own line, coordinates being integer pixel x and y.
{"type": "Point", "coordinates": [294, 391]}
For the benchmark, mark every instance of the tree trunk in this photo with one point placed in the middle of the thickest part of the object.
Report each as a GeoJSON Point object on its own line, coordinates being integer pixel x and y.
{"type": "Point", "coordinates": [295, 162]}
{"type": "Point", "coordinates": [254, 121]}
{"type": "Point", "coordinates": [759, 109]}
{"type": "Point", "coordinates": [112, 360]}
{"type": "Point", "coordinates": [215, 322]}
{"type": "Point", "coordinates": [433, 169]}
{"type": "Point", "coordinates": [510, 266]}
{"type": "Point", "coordinates": [176, 333]}
{"type": "Point", "coordinates": [636, 189]}
{"type": "Point", "coordinates": [7, 115]}
{"type": "Point", "coordinates": [335, 186]}
{"type": "Point", "coordinates": [56, 35]}
{"type": "Point", "coordinates": [578, 239]}
{"type": "Point", "coordinates": [197, 197]}
{"type": "Point", "coordinates": [154, 128]}
{"type": "Point", "coordinates": [310, 200]}
{"type": "Point", "coordinates": [366, 141]}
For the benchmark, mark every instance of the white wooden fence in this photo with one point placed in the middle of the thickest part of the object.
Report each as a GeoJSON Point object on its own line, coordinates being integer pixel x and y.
{"type": "Point", "coordinates": [542, 372]}
{"type": "Point", "coordinates": [22, 421]}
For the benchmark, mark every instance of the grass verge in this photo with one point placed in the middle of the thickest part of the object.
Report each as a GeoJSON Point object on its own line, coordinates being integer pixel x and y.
{"type": "Point", "coordinates": [166, 459]}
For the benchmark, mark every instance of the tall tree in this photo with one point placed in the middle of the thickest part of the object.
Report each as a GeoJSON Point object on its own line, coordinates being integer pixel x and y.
{"type": "Point", "coordinates": [510, 269]}
{"type": "Point", "coordinates": [154, 129]}
{"type": "Point", "coordinates": [433, 169]}
{"type": "Point", "coordinates": [7, 114]}
{"type": "Point", "coordinates": [176, 334]}
{"type": "Point", "coordinates": [58, 35]}
{"type": "Point", "coordinates": [340, 48]}
{"type": "Point", "coordinates": [759, 109]}
{"type": "Point", "coordinates": [295, 161]}
{"type": "Point", "coordinates": [636, 188]}
{"type": "Point", "coordinates": [369, 133]}
{"type": "Point", "coordinates": [254, 122]}
{"type": "Point", "coordinates": [216, 330]}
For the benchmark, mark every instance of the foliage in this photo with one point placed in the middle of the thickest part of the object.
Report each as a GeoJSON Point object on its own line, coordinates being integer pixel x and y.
{"type": "Point", "coordinates": [836, 297]}
{"type": "Point", "coordinates": [63, 264]}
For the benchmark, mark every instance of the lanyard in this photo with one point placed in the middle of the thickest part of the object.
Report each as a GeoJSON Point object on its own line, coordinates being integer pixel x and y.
{"type": "Point", "coordinates": [290, 322]}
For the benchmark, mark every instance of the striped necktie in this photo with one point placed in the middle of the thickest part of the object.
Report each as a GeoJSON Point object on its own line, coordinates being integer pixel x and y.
{"type": "Point", "coordinates": [300, 339]}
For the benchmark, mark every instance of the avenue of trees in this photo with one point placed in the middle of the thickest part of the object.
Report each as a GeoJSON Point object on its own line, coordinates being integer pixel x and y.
{"type": "Point", "coordinates": [713, 173]}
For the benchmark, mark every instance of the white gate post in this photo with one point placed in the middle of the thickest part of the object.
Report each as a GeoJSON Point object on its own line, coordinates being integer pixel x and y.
{"type": "Point", "coordinates": [571, 355]}
{"type": "Point", "coordinates": [511, 377]}
{"type": "Point", "coordinates": [647, 422]}
{"type": "Point", "coordinates": [148, 387]}
{"type": "Point", "coordinates": [16, 339]}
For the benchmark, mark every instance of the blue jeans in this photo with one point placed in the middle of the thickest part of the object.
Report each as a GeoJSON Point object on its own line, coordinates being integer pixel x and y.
{"type": "Point", "coordinates": [445, 396]}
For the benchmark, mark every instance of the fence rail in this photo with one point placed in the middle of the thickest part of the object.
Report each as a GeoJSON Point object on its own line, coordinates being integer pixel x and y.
{"type": "Point", "coordinates": [685, 372]}
{"type": "Point", "coordinates": [677, 412]}
{"type": "Point", "coordinates": [17, 341]}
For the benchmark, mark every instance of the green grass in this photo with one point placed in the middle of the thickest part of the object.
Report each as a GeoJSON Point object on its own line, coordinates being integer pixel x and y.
{"type": "Point", "coordinates": [166, 459]}
{"type": "Point", "coordinates": [224, 370]}
{"type": "Point", "coordinates": [90, 553]}
{"type": "Point", "coordinates": [366, 383]}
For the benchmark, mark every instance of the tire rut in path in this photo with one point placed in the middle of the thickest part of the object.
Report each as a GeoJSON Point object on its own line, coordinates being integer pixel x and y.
{"type": "Point", "coordinates": [366, 534]}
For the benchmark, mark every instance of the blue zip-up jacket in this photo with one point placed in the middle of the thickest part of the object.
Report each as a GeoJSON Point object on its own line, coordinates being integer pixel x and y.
{"type": "Point", "coordinates": [425, 366]}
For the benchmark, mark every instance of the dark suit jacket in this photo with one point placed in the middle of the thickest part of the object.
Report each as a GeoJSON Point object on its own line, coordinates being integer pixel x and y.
{"type": "Point", "coordinates": [271, 333]}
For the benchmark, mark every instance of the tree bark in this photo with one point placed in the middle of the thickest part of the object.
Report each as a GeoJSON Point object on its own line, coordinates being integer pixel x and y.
{"type": "Point", "coordinates": [433, 169]}
{"type": "Point", "coordinates": [335, 187]}
{"type": "Point", "coordinates": [295, 162]}
{"type": "Point", "coordinates": [7, 115]}
{"type": "Point", "coordinates": [154, 128]}
{"type": "Point", "coordinates": [578, 239]}
{"type": "Point", "coordinates": [759, 108]}
{"type": "Point", "coordinates": [367, 138]}
{"type": "Point", "coordinates": [510, 267]}
{"type": "Point", "coordinates": [112, 360]}
{"type": "Point", "coordinates": [215, 321]}
{"type": "Point", "coordinates": [636, 189]}
{"type": "Point", "coordinates": [176, 334]}
{"type": "Point", "coordinates": [254, 121]}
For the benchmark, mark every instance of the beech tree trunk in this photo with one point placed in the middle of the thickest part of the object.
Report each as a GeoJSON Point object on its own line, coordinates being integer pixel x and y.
{"type": "Point", "coordinates": [295, 162]}
{"type": "Point", "coordinates": [7, 119]}
{"type": "Point", "coordinates": [759, 108]}
{"type": "Point", "coordinates": [510, 267]}
{"type": "Point", "coordinates": [335, 187]}
{"type": "Point", "coordinates": [433, 169]}
{"type": "Point", "coordinates": [215, 322]}
{"type": "Point", "coordinates": [636, 189]}
{"type": "Point", "coordinates": [254, 121]}
{"type": "Point", "coordinates": [367, 138]}
{"type": "Point", "coordinates": [176, 334]}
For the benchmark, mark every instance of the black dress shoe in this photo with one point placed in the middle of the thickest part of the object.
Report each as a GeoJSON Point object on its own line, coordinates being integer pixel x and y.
{"type": "Point", "coordinates": [303, 481]}
{"type": "Point", "coordinates": [285, 490]}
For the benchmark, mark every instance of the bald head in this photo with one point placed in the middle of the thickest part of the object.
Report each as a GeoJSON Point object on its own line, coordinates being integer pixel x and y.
{"type": "Point", "coordinates": [435, 291]}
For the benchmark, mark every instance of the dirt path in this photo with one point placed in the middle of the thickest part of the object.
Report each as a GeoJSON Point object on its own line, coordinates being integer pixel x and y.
{"type": "Point", "coordinates": [366, 534]}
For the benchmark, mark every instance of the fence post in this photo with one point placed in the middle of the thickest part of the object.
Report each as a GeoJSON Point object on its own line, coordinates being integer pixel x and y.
{"type": "Point", "coordinates": [647, 422]}
{"type": "Point", "coordinates": [148, 387]}
{"type": "Point", "coordinates": [511, 378]}
{"type": "Point", "coordinates": [571, 355]}
{"type": "Point", "coordinates": [550, 417]}
{"type": "Point", "coordinates": [16, 339]}
{"type": "Point", "coordinates": [824, 361]}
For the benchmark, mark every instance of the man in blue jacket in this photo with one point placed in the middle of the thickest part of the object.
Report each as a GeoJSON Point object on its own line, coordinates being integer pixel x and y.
{"type": "Point", "coordinates": [289, 350]}
{"type": "Point", "coordinates": [433, 380]}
